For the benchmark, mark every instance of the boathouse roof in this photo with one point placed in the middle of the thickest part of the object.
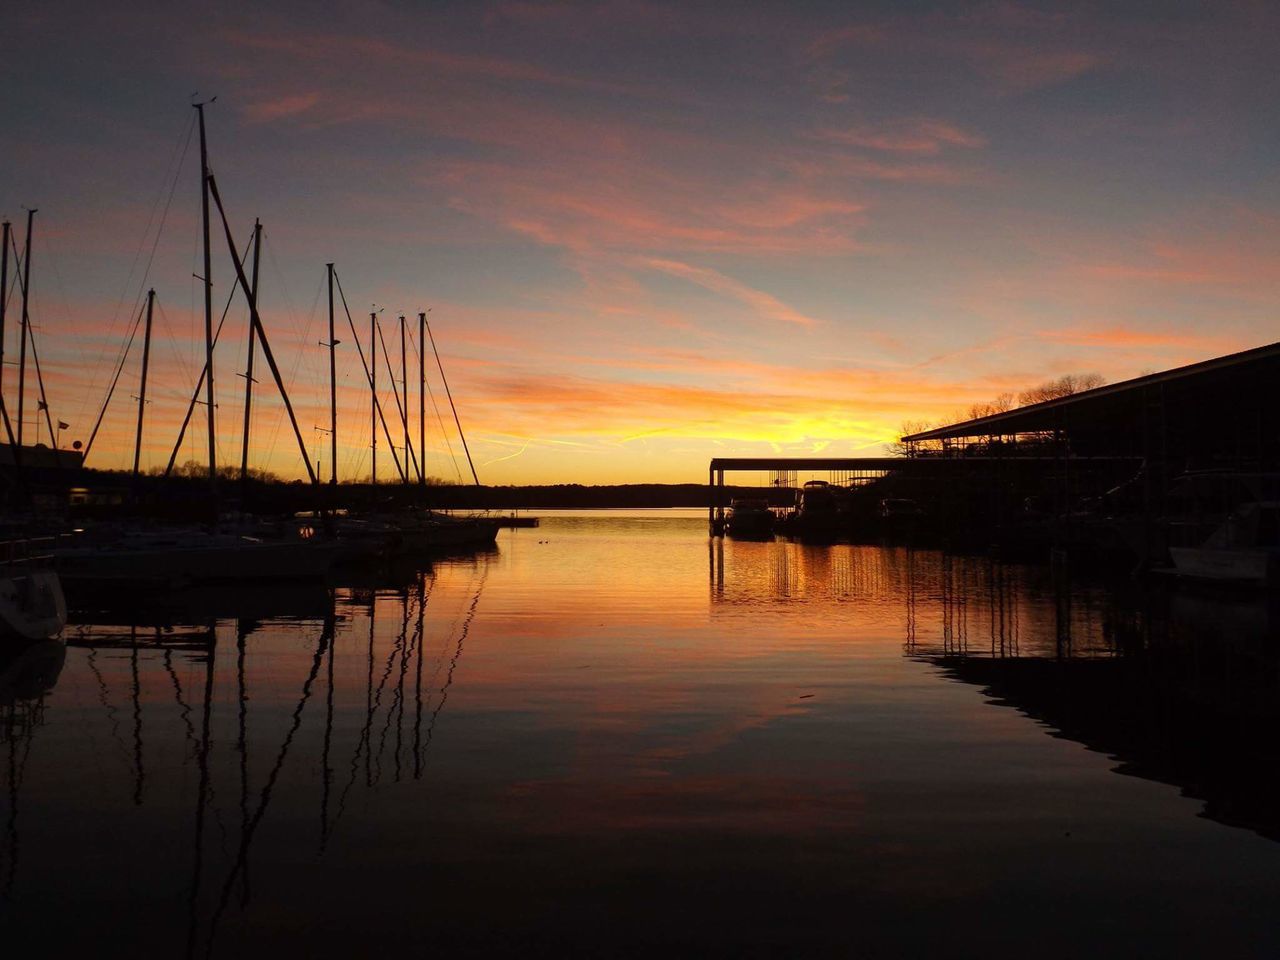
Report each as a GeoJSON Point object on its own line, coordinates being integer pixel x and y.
{"type": "Point", "coordinates": [1231, 386]}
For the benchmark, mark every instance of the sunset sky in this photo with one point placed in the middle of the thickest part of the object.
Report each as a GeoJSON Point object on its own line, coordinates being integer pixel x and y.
{"type": "Point", "coordinates": [647, 233]}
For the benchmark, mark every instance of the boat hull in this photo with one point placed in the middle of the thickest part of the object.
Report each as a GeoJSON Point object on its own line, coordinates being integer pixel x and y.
{"type": "Point", "coordinates": [1226, 565]}
{"type": "Point", "coordinates": [32, 606]}
{"type": "Point", "coordinates": [443, 537]}
{"type": "Point", "coordinates": [750, 527]}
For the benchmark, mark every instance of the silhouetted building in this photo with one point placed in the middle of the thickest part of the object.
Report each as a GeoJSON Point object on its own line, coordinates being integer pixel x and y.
{"type": "Point", "coordinates": [1219, 413]}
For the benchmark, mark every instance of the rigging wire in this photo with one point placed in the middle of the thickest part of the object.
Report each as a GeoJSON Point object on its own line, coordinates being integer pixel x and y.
{"type": "Point", "coordinates": [386, 355]}
{"type": "Point", "coordinates": [420, 356]}
{"type": "Point", "coordinates": [256, 320]}
{"type": "Point", "coordinates": [60, 288]}
{"type": "Point", "coordinates": [175, 344]}
{"type": "Point", "coordinates": [306, 336]}
{"type": "Point", "coordinates": [112, 389]}
{"type": "Point", "coordinates": [431, 394]}
{"type": "Point", "coordinates": [204, 369]}
{"type": "Point", "coordinates": [457, 467]}
{"type": "Point", "coordinates": [368, 378]}
{"type": "Point", "coordinates": [13, 284]}
{"type": "Point", "coordinates": [44, 399]}
{"type": "Point", "coordinates": [351, 455]}
{"type": "Point", "coordinates": [17, 271]}
{"type": "Point", "coordinates": [185, 141]}
{"type": "Point", "coordinates": [461, 436]}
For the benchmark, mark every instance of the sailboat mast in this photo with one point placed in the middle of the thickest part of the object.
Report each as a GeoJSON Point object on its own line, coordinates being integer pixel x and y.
{"type": "Point", "coordinates": [4, 295]}
{"type": "Point", "coordinates": [142, 389]}
{"type": "Point", "coordinates": [373, 389]}
{"type": "Point", "coordinates": [256, 320]}
{"type": "Point", "coordinates": [333, 389]}
{"type": "Point", "coordinates": [26, 319]}
{"type": "Point", "coordinates": [422, 401]}
{"type": "Point", "coordinates": [208, 300]}
{"type": "Point", "coordinates": [404, 382]}
{"type": "Point", "coordinates": [248, 370]}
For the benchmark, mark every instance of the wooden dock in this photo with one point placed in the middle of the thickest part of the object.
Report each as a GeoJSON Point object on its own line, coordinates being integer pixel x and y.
{"type": "Point", "coordinates": [512, 521]}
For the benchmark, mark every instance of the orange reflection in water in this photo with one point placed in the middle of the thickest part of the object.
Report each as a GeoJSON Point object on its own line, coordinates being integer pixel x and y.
{"type": "Point", "coordinates": [608, 718]}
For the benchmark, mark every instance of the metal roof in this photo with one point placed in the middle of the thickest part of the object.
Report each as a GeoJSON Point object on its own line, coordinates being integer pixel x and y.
{"type": "Point", "coordinates": [1044, 415]}
{"type": "Point", "coordinates": [885, 464]}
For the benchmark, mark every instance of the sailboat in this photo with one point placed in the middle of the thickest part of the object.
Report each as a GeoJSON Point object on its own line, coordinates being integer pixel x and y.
{"type": "Point", "coordinates": [449, 532]}
{"type": "Point", "coordinates": [413, 531]}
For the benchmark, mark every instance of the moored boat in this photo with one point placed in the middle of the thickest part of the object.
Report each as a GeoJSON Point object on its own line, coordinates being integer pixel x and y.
{"type": "Point", "coordinates": [750, 519]}
{"type": "Point", "coordinates": [820, 516]}
{"type": "Point", "coordinates": [32, 606]}
{"type": "Point", "coordinates": [898, 515]}
{"type": "Point", "coordinates": [428, 532]}
{"type": "Point", "coordinates": [1245, 548]}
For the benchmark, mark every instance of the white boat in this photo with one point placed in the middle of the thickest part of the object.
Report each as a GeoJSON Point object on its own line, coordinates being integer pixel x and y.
{"type": "Point", "coordinates": [32, 606]}
{"type": "Point", "coordinates": [1245, 548]}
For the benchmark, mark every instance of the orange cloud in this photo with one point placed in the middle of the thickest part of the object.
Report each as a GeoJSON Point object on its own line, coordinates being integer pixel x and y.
{"type": "Point", "coordinates": [597, 208]}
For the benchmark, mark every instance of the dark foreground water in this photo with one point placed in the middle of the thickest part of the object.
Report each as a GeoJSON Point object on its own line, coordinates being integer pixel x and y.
{"type": "Point", "coordinates": [613, 737]}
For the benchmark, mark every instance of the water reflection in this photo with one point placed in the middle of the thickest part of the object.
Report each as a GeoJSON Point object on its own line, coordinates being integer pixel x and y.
{"type": "Point", "coordinates": [159, 669]}
{"type": "Point", "coordinates": [240, 868]}
{"type": "Point", "coordinates": [28, 671]}
{"type": "Point", "coordinates": [1178, 686]}
{"type": "Point", "coordinates": [283, 600]}
{"type": "Point", "coordinates": [543, 749]}
{"type": "Point", "coordinates": [944, 604]}
{"type": "Point", "coordinates": [1191, 697]}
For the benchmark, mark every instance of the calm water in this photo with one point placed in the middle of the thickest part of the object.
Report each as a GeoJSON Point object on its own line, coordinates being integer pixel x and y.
{"type": "Point", "coordinates": [611, 736]}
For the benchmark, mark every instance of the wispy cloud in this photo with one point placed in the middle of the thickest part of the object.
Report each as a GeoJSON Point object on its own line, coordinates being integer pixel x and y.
{"type": "Point", "coordinates": [920, 137]}
{"type": "Point", "coordinates": [765, 304]}
{"type": "Point", "coordinates": [336, 53]}
{"type": "Point", "coordinates": [265, 111]}
{"type": "Point", "coordinates": [1014, 48]}
{"type": "Point", "coordinates": [630, 204]}
{"type": "Point", "coordinates": [1128, 337]}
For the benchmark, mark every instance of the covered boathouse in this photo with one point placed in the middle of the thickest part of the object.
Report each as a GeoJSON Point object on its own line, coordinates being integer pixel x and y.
{"type": "Point", "coordinates": [1222, 413]}
{"type": "Point", "coordinates": [1187, 445]}
{"type": "Point", "coordinates": [1199, 438]}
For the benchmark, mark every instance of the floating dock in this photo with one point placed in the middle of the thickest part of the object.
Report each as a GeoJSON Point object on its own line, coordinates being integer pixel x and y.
{"type": "Point", "coordinates": [513, 521]}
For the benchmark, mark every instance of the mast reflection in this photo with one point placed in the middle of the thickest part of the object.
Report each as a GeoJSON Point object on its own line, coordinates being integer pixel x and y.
{"type": "Point", "coordinates": [220, 703]}
{"type": "Point", "coordinates": [419, 761]}
{"type": "Point", "coordinates": [240, 865]}
{"type": "Point", "coordinates": [28, 673]}
{"type": "Point", "coordinates": [139, 772]}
